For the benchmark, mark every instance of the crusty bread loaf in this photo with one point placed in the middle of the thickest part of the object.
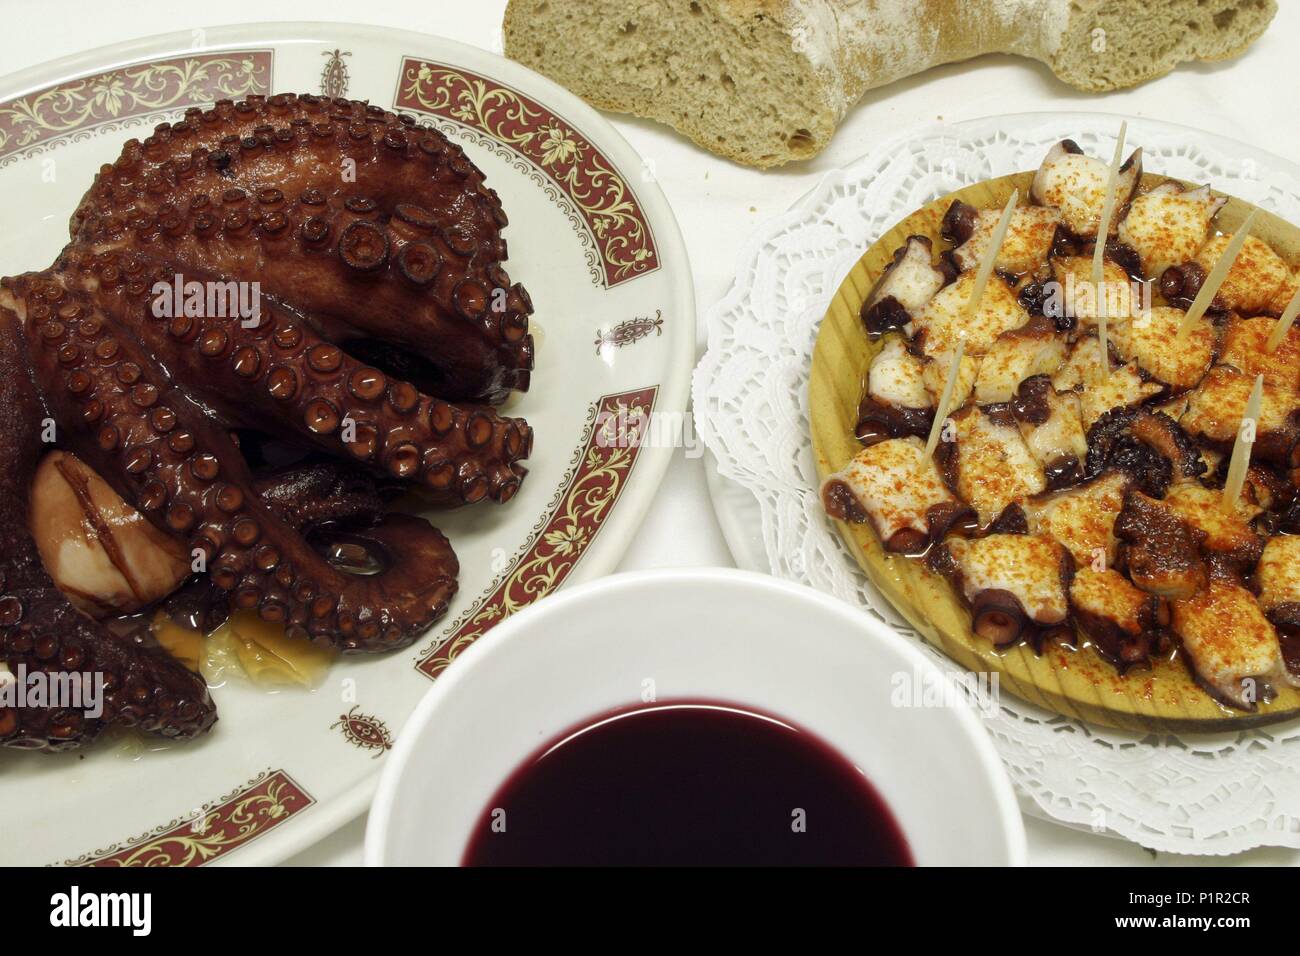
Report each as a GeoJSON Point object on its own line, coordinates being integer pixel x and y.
{"type": "Point", "coordinates": [765, 82]}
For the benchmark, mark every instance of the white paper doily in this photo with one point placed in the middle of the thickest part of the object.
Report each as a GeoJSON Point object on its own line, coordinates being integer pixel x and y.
{"type": "Point", "coordinates": [1204, 794]}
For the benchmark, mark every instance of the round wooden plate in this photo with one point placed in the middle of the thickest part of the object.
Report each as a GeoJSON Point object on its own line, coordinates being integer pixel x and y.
{"type": "Point", "coordinates": [1075, 682]}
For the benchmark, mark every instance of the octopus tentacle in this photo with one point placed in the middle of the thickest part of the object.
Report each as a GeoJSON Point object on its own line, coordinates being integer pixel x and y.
{"type": "Point", "coordinates": [184, 473]}
{"type": "Point", "coordinates": [387, 330]}
{"type": "Point", "coordinates": [40, 631]}
{"type": "Point", "coordinates": [314, 498]}
{"type": "Point", "coordinates": [321, 200]}
{"type": "Point", "coordinates": [279, 375]}
{"type": "Point", "coordinates": [311, 494]}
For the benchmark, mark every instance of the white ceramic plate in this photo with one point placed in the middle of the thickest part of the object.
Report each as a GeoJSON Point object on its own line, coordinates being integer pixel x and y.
{"type": "Point", "coordinates": [710, 634]}
{"type": "Point", "coordinates": [595, 243]}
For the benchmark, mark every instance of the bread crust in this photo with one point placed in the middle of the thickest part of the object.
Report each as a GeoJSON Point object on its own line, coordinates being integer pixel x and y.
{"type": "Point", "coordinates": [766, 82]}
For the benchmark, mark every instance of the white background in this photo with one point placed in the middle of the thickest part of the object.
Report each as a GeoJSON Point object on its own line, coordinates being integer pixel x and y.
{"type": "Point", "coordinates": [717, 203]}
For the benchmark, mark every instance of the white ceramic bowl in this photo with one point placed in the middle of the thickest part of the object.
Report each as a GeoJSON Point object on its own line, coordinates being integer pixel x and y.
{"type": "Point", "coordinates": [704, 634]}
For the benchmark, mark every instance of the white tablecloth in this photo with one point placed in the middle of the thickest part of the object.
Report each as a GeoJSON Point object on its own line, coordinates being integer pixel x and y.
{"type": "Point", "coordinates": [718, 203]}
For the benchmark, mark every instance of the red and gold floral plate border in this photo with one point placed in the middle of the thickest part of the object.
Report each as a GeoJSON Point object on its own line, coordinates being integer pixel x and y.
{"type": "Point", "coordinates": [592, 484]}
{"type": "Point", "coordinates": [618, 231]}
{"type": "Point", "coordinates": [259, 806]}
{"type": "Point", "coordinates": [127, 96]}
{"type": "Point", "coordinates": [604, 202]}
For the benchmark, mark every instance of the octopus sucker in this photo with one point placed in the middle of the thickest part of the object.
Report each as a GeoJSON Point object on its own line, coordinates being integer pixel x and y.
{"type": "Point", "coordinates": [382, 333]}
{"type": "Point", "coordinates": [373, 228]}
{"type": "Point", "coordinates": [283, 378]}
{"type": "Point", "coordinates": [42, 633]}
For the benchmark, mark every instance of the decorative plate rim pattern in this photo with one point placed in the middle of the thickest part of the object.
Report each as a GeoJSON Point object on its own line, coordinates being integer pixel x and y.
{"type": "Point", "coordinates": [605, 203]}
{"type": "Point", "coordinates": [214, 830]}
{"type": "Point", "coordinates": [132, 95]}
{"type": "Point", "coordinates": [576, 514]}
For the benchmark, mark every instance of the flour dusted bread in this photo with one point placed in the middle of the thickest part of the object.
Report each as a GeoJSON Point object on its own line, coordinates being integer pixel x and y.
{"type": "Point", "coordinates": [765, 82]}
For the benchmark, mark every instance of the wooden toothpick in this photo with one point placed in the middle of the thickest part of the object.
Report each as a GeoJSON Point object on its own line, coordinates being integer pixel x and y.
{"type": "Point", "coordinates": [991, 253]}
{"type": "Point", "coordinates": [972, 303]}
{"type": "Point", "coordinates": [1284, 323]}
{"type": "Point", "coordinates": [1210, 287]}
{"type": "Point", "coordinates": [1241, 448]}
{"type": "Point", "coordinates": [941, 410]}
{"type": "Point", "coordinates": [1099, 251]}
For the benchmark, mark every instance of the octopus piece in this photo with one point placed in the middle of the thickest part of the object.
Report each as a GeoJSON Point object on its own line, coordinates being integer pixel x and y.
{"type": "Point", "coordinates": [1223, 533]}
{"type": "Point", "coordinates": [988, 463]}
{"type": "Point", "coordinates": [1215, 408]}
{"type": "Point", "coordinates": [330, 503]}
{"type": "Point", "coordinates": [935, 373]}
{"type": "Point", "coordinates": [1026, 245]}
{"type": "Point", "coordinates": [1081, 364]}
{"type": "Point", "coordinates": [407, 251]}
{"type": "Point", "coordinates": [1278, 577]}
{"type": "Point", "coordinates": [906, 285]}
{"type": "Point", "coordinates": [899, 490]}
{"type": "Point", "coordinates": [1268, 491]}
{"type": "Point", "coordinates": [1016, 585]}
{"type": "Point", "coordinates": [1123, 388]}
{"type": "Point", "coordinates": [277, 375]}
{"type": "Point", "coordinates": [1149, 447]}
{"type": "Point", "coordinates": [1074, 295]}
{"type": "Point", "coordinates": [1033, 349]}
{"type": "Point", "coordinates": [1166, 437]}
{"type": "Point", "coordinates": [1283, 295]}
{"type": "Point", "coordinates": [1168, 224]}
{"type": "Point", "coordinates": [897, 402]}
{"type": "Point", "coordinates": [1249, 288]}
{"type": "Point", "coordinates": [1075, 184]}
{"type": "Point", "coordinates": [381, 330]}
{"type": "Point", "coordinates": [1151, 341]}
{"type": "Point", "coordinates": [314, 495]}
{"type": "Point", "coordinates": [1231, 647]}
{"type": "Point", "coordinates": [945, 320]}
{"type": "Point", "coordinates": [1082, 518]}
{"type": "Point", "coordinates": [1161, 551]}
{"type": "Point", "coordinates": [1255, 277]}
{"type": "Point", "coordinates": [1123, 622]}
{"type": "Point", "coordinates": [1244, 348]}
{"type": "Point", "coordinates": [1052, 428]}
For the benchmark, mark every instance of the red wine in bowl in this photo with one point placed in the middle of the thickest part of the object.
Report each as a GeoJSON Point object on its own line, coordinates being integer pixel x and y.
{"type": "Point", "coordinates": [687, 783]}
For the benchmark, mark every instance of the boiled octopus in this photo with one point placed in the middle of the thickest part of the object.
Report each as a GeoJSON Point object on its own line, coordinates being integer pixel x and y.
{"type": "Point", "coordinates": [385, 333]}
